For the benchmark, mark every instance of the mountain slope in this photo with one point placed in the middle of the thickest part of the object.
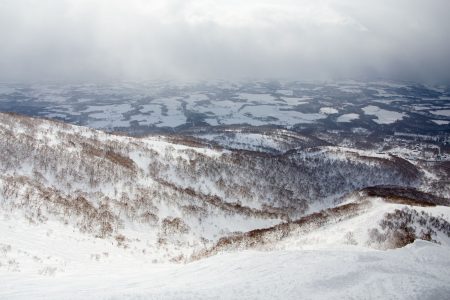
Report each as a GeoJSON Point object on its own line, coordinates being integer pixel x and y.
{"type": "Point", "coordinates": [184, 193]}
{"type": "Point", "coordinates": [76, 201]}
{"type": "Point", "coordinates": [418, 271]}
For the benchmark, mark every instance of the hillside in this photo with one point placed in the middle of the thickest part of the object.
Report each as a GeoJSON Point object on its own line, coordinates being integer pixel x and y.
{"type": "Point", "coordinates": [73, 198]}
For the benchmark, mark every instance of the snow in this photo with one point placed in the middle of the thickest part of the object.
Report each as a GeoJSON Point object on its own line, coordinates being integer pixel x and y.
{"type": "Point", "coordinates": [230, 112]}
{"type": "Point", "coordinates": [383, 116]}
{"type": "Point", "coordinates": [342, 153]}
{"type": "Point", "coordinates": [150, 108]}
{"type": "Point", "coordinates": [285, 92]}
{"type": "Point", "coordinates": [108, 123]}
{"type": "Point", "coordinates": [441, 122]}
{"type": "Point", "coordinates": [161, 145]}
{"type": "Point", "coordinates": [164, 112]}
{"type": "Point", "coordinates": [293, 101]}
{"type": "Point", "coordinates": [334, 235]}
{"type": "Point", "coordinates": [212, 122]}
{"type": "Point", "coordinates": [107, 110]}
{"type": "Point", "coordinates": [198, 97]}
{"type": "Point", "coordinates": [168, 104]}
{"type": "Point", "coordinates": [55, 115]}
{"type": "Point", "coordinates": [328, 110]}
{"type": "Point", "coordinates": [257, 98]}
{"type": "Point", "coordinates": [108, 116]}
{"type": "Point", "coordinates": [282, 117]}
{"type": "Point", "coordinates": [350, 89]}
{"type": "Point", "coordinates": [420, 107]}
{"type": "Point", "coordinates": [418, 271]}
{"type": "Point", "coordinates": [442, 112]}
{"type": "Point", "coordinates": [347, 118]}
{"type": "Point", "coordinates": [53, 260]}
{"type": "Point", "coordinates": [219, 111]}
{"type": "Point", "coordinates": [246, 141]}
{"type": "Point", "coordinates": [383, 93]}
{"type": "Point", "coordinates": [5, 90]}
{"type": "Point", "coordinates": [66, 109]}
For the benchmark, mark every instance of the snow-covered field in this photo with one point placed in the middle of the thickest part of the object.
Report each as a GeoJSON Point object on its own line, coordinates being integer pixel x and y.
{"type": "Point", "coordinates": [443, 112]}
{"type": "Point", "coordinates": [152, 105]}
{"type": "Point", "coordinates": [347, 118]}
{"type": "Point", "coordinates": [418, 271]}
{"type": "Point", "coordinates": [383, 116]}
{"type": "Point", "coordinates": [441, 122]}
{"type": "Point", "coordinates": [51, 261]}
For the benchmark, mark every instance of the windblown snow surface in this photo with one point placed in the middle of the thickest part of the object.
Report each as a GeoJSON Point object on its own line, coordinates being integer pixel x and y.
{"type": "Point", "coordinates": [52, 261]}
{"type": "Point", "coordinates": [418, 271]}
{"type": "Point", "coordinates": [408, 273]}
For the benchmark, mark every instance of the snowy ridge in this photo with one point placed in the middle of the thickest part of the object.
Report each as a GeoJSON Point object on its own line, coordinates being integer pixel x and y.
{"type": "Point", "coordinates": [381, 223]}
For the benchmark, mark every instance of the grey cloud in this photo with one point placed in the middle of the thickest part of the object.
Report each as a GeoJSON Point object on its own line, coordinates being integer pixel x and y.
{"type": "Point", "coordinates": [197, 39]}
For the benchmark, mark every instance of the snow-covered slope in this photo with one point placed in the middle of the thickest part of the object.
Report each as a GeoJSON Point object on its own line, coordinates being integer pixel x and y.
{"type": "Point", "coordinates": [364, 221]}
{"type": "Point", "coordinates": [418, 271]}
{"type": "Point", "coordinates": [82, 211]}
{"type": "Point", "coordinates": [267, 140]}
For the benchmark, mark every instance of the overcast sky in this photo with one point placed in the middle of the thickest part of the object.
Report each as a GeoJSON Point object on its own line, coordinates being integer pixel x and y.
{"type": "Point", "coordinates": [210, 39]}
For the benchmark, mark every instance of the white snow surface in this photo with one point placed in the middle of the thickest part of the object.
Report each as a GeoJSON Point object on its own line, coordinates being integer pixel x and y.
{"type": "Point", "coordinates": [51, 261]}
{"type": "Point", "coordinates": [442, 112]}
{"type": "Point", "coordinates": [383, 116]}
{"type": "Point", "coordinates": [328, 110]}
{"type": "Point", "coordinates": [418, 271]}
{"type": "Point", "coordinates": [252, 141]}
{"type": "Point", "coordinates": [294, 101]}
{"type": "Point", "coordinates": [441, 122]}
{"type": "Point", "coordinates": [347, 118]}
{"type": "Point", "coordinates": [285, 92]}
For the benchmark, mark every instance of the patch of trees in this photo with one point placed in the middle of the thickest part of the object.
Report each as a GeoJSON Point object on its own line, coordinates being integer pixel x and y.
{"type": "Point", "coordinates": [404, 226]}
